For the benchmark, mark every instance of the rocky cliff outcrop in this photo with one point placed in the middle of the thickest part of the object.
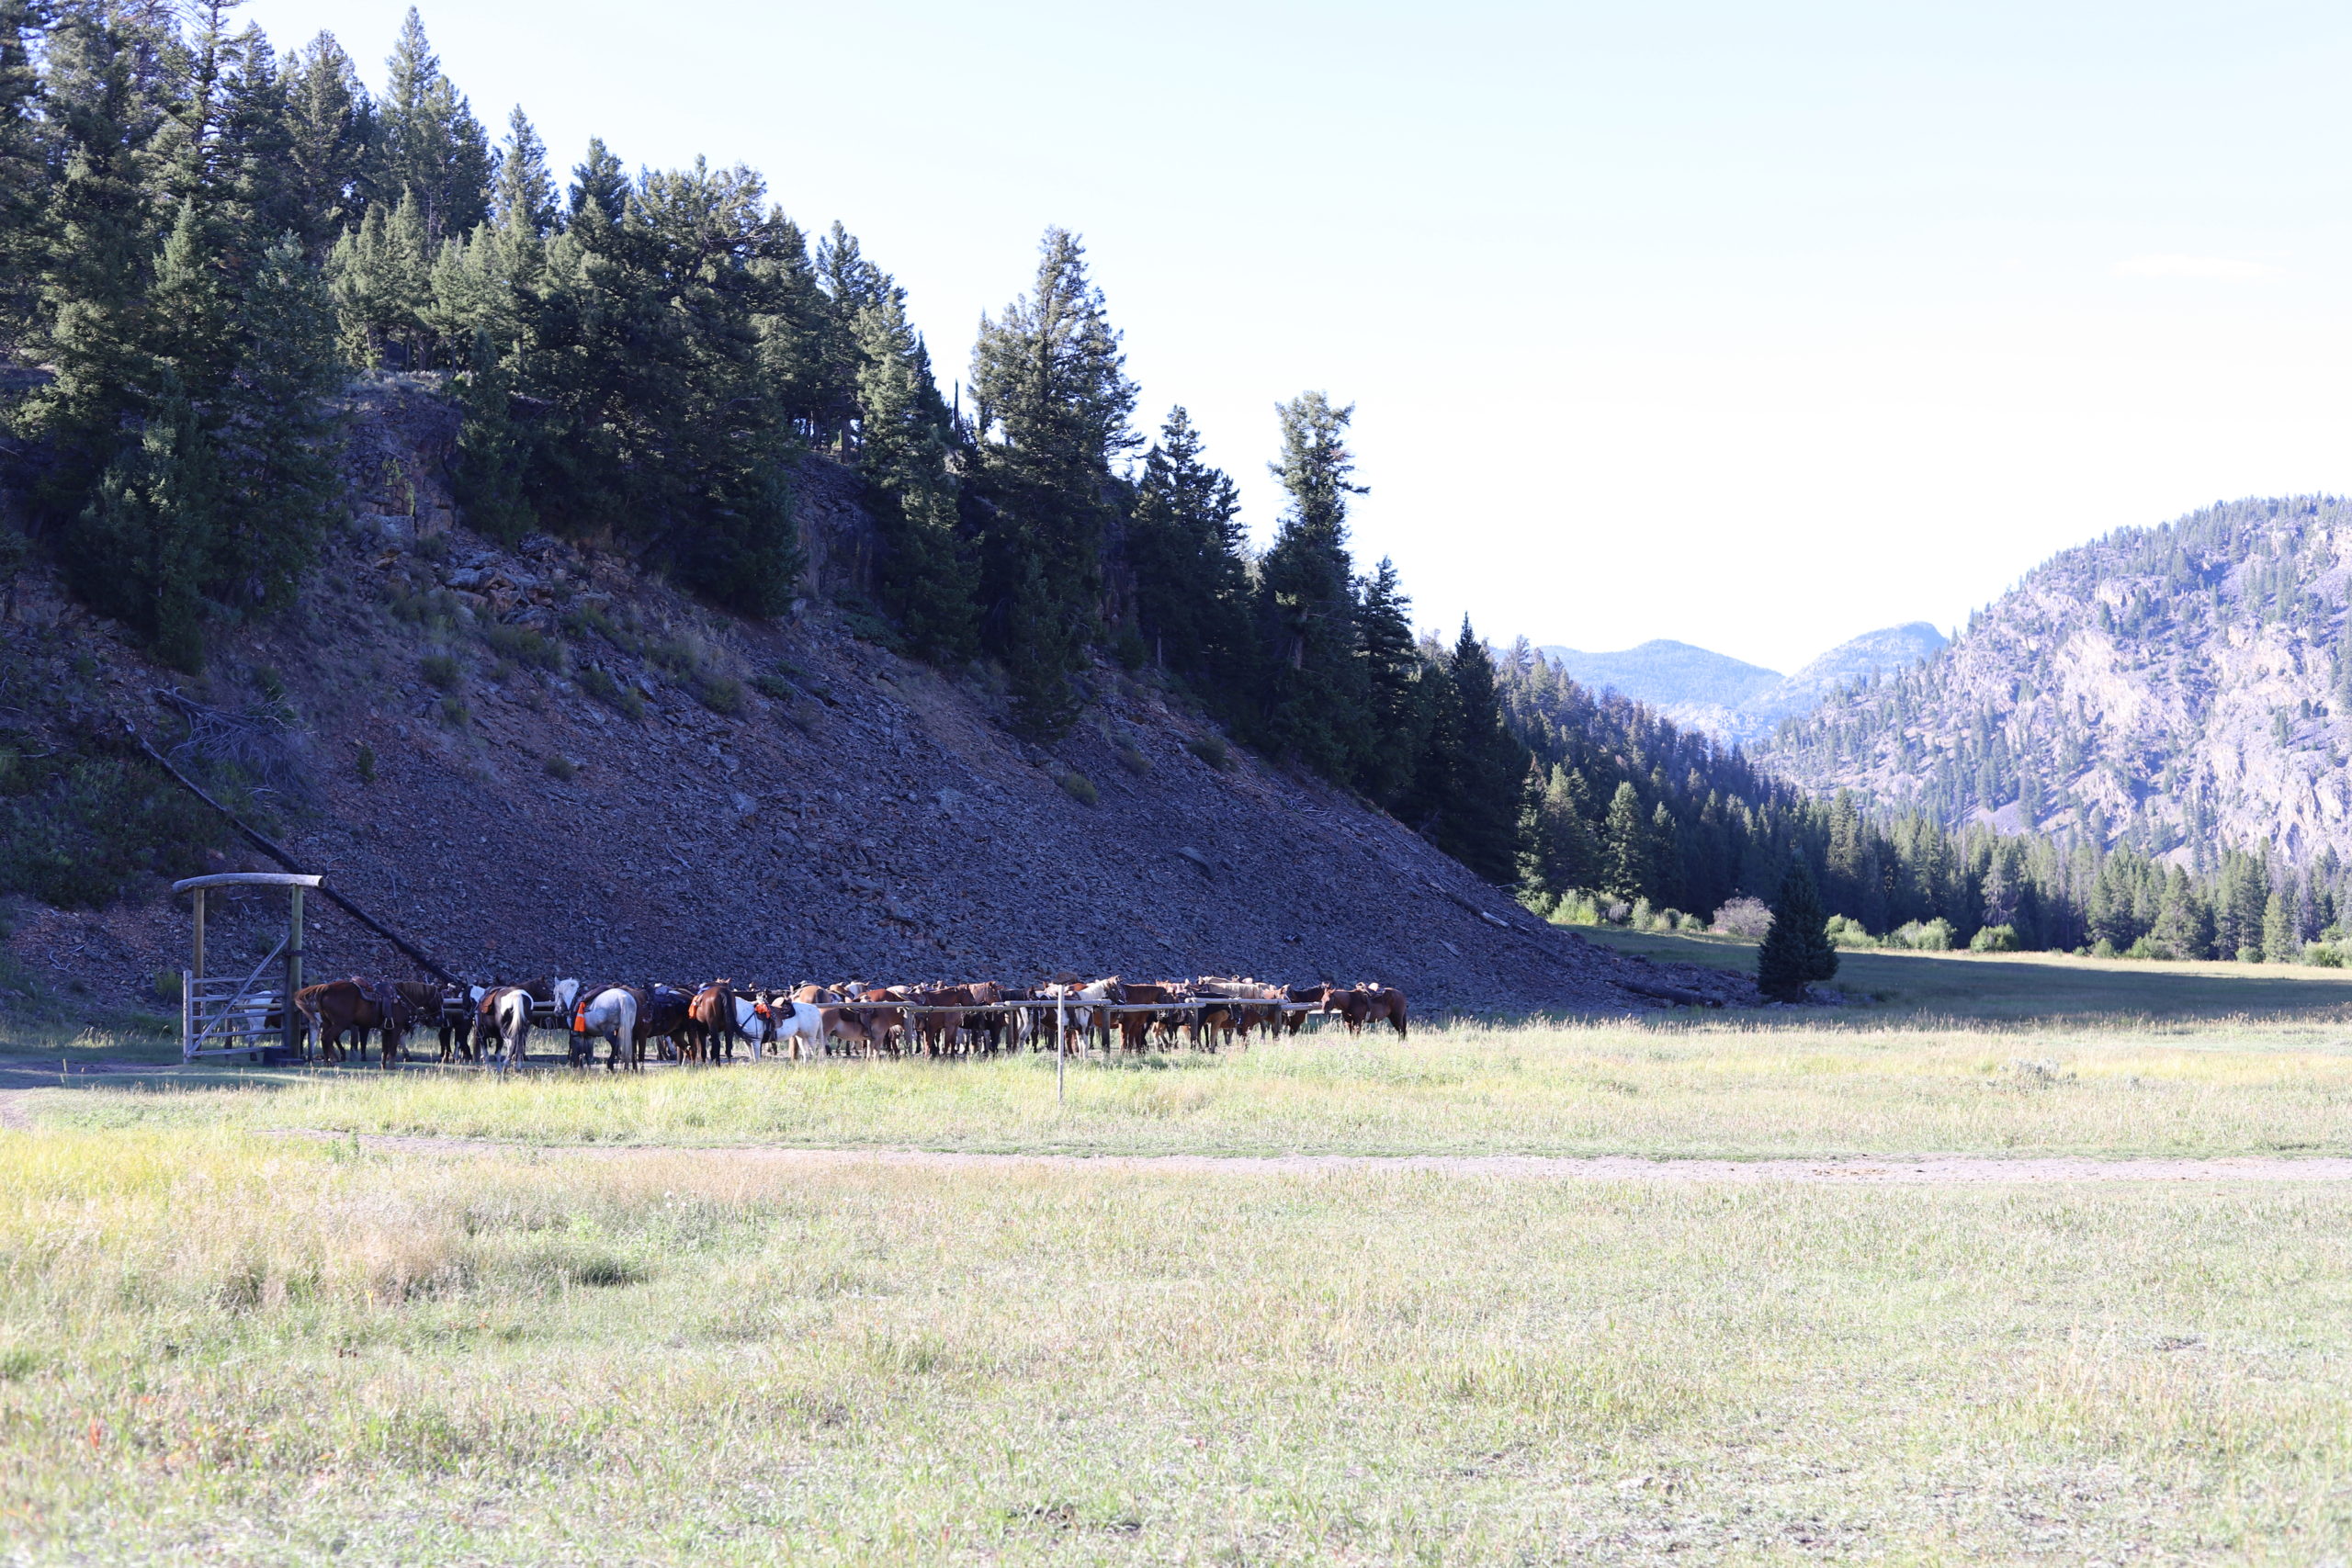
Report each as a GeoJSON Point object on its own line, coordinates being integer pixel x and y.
{"type": "Point", "coordinates": [2179, 687]}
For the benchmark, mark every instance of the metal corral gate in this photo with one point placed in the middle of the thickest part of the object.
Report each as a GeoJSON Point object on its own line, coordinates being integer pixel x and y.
{"type": "Point", "coordinates": [223, 1015]}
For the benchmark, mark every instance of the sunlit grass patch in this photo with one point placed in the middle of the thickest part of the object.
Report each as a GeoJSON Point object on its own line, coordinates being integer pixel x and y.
{"type": "Point", "coordinates": [1714, 1089]}
{"type": "Point", "coordinates": [661, 1355]}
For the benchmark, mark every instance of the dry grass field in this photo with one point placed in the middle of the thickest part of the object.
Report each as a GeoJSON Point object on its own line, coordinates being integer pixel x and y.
{"type": "Point", "coordinates": [224, 1337]}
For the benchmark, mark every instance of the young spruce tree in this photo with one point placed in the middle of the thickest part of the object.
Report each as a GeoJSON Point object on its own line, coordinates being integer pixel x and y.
{"type": "Point", "coordinates": [1797, 950]}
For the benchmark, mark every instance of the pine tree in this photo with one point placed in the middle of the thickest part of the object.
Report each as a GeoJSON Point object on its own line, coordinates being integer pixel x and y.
{"type": "Point", "coordinates": [2279, 943]}
{"type": "Point", "coordinates": [142, 545]}
{"type": "Point", "coordinates": [523, 194]}
{"type": "Point", "coordinates": [1054, 401]}
{"type": "Point", "coordinates": [266, 199]}
{"type": "Point", "coordinates": [1184, 552]}
{"type": "Point", "coordinates": [329, 122]}
{"type": "Point", "coordinates": [1317, 684]}
{"type": "Point", "coordinates": [1628, 861]}
{"type": "Point", "coordinates": [1396, 708]}
{"type": "Point", "coordinates": [1797, 950]}
{"type": "Point", "coordinates": [599, 189]}
{"type": "Point", "coordinates": [428, 143]}
{"type": "Point", "coordinates": [1479, 820]}
{"type": "Point", "coordinates": [278, 432]}
{"type": "Point", "coordinates": [905, 451]}
{"type": "Point", "coordinates": [25, 171]}
{"type": "Point", "coordinates": [2184, 925]}
{"type": "Point", "coordinates": [104, 111]}
{"type": "Point", "coordinates": [382, 280]}
{"type": "Point", "coordinates": [494, 448]}
{"type": "Point", "coordinates": [827, 355]}
{"type": "Point", "coordinates": [1044, 650]}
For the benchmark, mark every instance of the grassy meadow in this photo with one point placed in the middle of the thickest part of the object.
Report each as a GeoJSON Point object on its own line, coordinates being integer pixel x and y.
{"type": "Point", "coordinates": [230, 1332]}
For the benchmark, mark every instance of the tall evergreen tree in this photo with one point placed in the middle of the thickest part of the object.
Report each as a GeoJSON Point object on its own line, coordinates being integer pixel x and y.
{"type": "Point", "coordinates": [105, 110]}
{"type": "Point", "coordinates": [493, 448]}
{"type": "Point", "coordinates": [1185, 547]}
{"type": "Point", "coordinates": [428, 142]}
{"type": "Point", "coordinates": [1395, 701]}
{"type": "Point", "coordinates": [383, 277]}
{"type": "Point", "coordinates": [278, 432]}
{"type": "Point", "coordinates": [1055, 402]}
{"type": "Point", "coordinates": [329, 123]}
{"type": "Point", "coordinates": [25, 168]}
{"type": "Point", "coordinates": [1316, 685]}
{"type": "Point", "coordinates": [521, 192]}
{"type": "Point", "coordinates": [1478, 813]}
{"type": "Point", "coordinates": [1797, 950]}
{"type": "Point", "coordinates": [907, 450]}
{"type": "Point", "coordinates": [1629, 856]}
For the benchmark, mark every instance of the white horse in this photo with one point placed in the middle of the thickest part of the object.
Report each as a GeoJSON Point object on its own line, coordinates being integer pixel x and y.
{"type": "Point", "coordinates": [804, 1030]}
{"type": "Point", "coordinates": [506, 1013]}
{"type": "Point", "coordinates": [611, 1012]}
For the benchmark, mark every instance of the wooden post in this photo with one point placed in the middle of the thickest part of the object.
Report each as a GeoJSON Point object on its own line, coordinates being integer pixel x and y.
{"type": "Point", "coordinates": [188, 1011]}
{"type": "Point", "coordinates": [293, 968]}
{"type": "Point", "coordinates": [1061, 1036]}
{"type": "Point", "coordinates": [200, 933]}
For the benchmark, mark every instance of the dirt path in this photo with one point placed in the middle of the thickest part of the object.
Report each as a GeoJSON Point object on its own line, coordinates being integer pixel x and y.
{"type": "Point", "coordinates": [1933, 1170]}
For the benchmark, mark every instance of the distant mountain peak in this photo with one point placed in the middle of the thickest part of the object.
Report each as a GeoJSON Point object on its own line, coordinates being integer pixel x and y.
{"type": "Point", "coordinates": [1730, 699]}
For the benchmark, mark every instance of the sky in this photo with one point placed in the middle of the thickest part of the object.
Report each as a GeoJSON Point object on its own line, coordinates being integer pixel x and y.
{"type": "Point", "coordinates": [1755, 327]}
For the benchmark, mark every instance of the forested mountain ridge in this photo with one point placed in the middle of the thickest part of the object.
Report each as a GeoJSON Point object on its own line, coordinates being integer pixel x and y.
{"type": "Point", "coordinates": [2177, 690]}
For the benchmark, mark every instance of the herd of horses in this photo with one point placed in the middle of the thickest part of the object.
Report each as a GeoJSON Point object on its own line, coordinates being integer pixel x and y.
{"type": "Point", "coordinates": [490, 1025]}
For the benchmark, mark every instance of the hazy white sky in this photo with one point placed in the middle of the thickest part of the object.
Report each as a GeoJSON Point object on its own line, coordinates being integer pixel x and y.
{"type": "Point", "coordinates": [1752, 326]}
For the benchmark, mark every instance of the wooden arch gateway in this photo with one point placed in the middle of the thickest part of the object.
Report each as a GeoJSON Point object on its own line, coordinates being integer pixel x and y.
{"type": "Point", "coordinates": [223, 1015]}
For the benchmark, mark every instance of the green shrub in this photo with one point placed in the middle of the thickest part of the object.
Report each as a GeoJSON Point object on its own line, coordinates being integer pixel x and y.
{"type": "Point", "coordinates": [1924, 936]}
{"type": "Point", "coordinates": [167, 985]}
{"type": "Point", "coordinates": [675, 655]}
{"type": "Point", "coordinates": [562, 769]}
{"type": "Point", "coordinates": [600, 685]}
{"type": "Point", "coordinates": [723, 695]}
{"type": "Point", "coordinates": [1846, 931]}
{"type": "Point", "coordinates": [2103, 948]}
{"type": "Point", "coordinates": [1993, 939]}
{"type": "Point", "coordinates": [1080, 788]}
{"type": "Point", "coordinates": [455, 713]}
{"type": "Point", "coordinates": [525, 647]}
{"type": "Point", "coordinates": [2322, 956]}
{"type": "Point", "coordinates": [775, 686]}
{"type": "Point", "coordinates": [1210, 748]}
{"type": "Point", "coordinates": [2249, 955]}
{"type": "Point", "coordinates": [365, 764]}
{"type": "Point", "coordinates": [1134, 760]}
{"type": "Point", "coordinates": [441, 670]}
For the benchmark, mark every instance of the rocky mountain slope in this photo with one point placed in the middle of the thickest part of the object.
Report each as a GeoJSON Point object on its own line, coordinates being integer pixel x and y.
{"type": "Point", "coordinates": [537, 761]}
{"type": "Point", "coordinates": [1730, 699]}
{"type": "Point", "coordinates": [2179, 687]}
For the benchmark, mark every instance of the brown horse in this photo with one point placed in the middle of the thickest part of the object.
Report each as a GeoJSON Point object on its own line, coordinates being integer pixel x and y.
{"type": "Point", "coordinates": [354, 1007]}
{"type": "Point", "coordinates": [711, 1020]}
{"type": "Point", "coordinates": [663, 1012]}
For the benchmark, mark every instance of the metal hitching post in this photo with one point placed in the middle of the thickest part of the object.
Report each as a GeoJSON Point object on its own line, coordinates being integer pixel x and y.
{"type": "Point", "coordinates": [293, 968]}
